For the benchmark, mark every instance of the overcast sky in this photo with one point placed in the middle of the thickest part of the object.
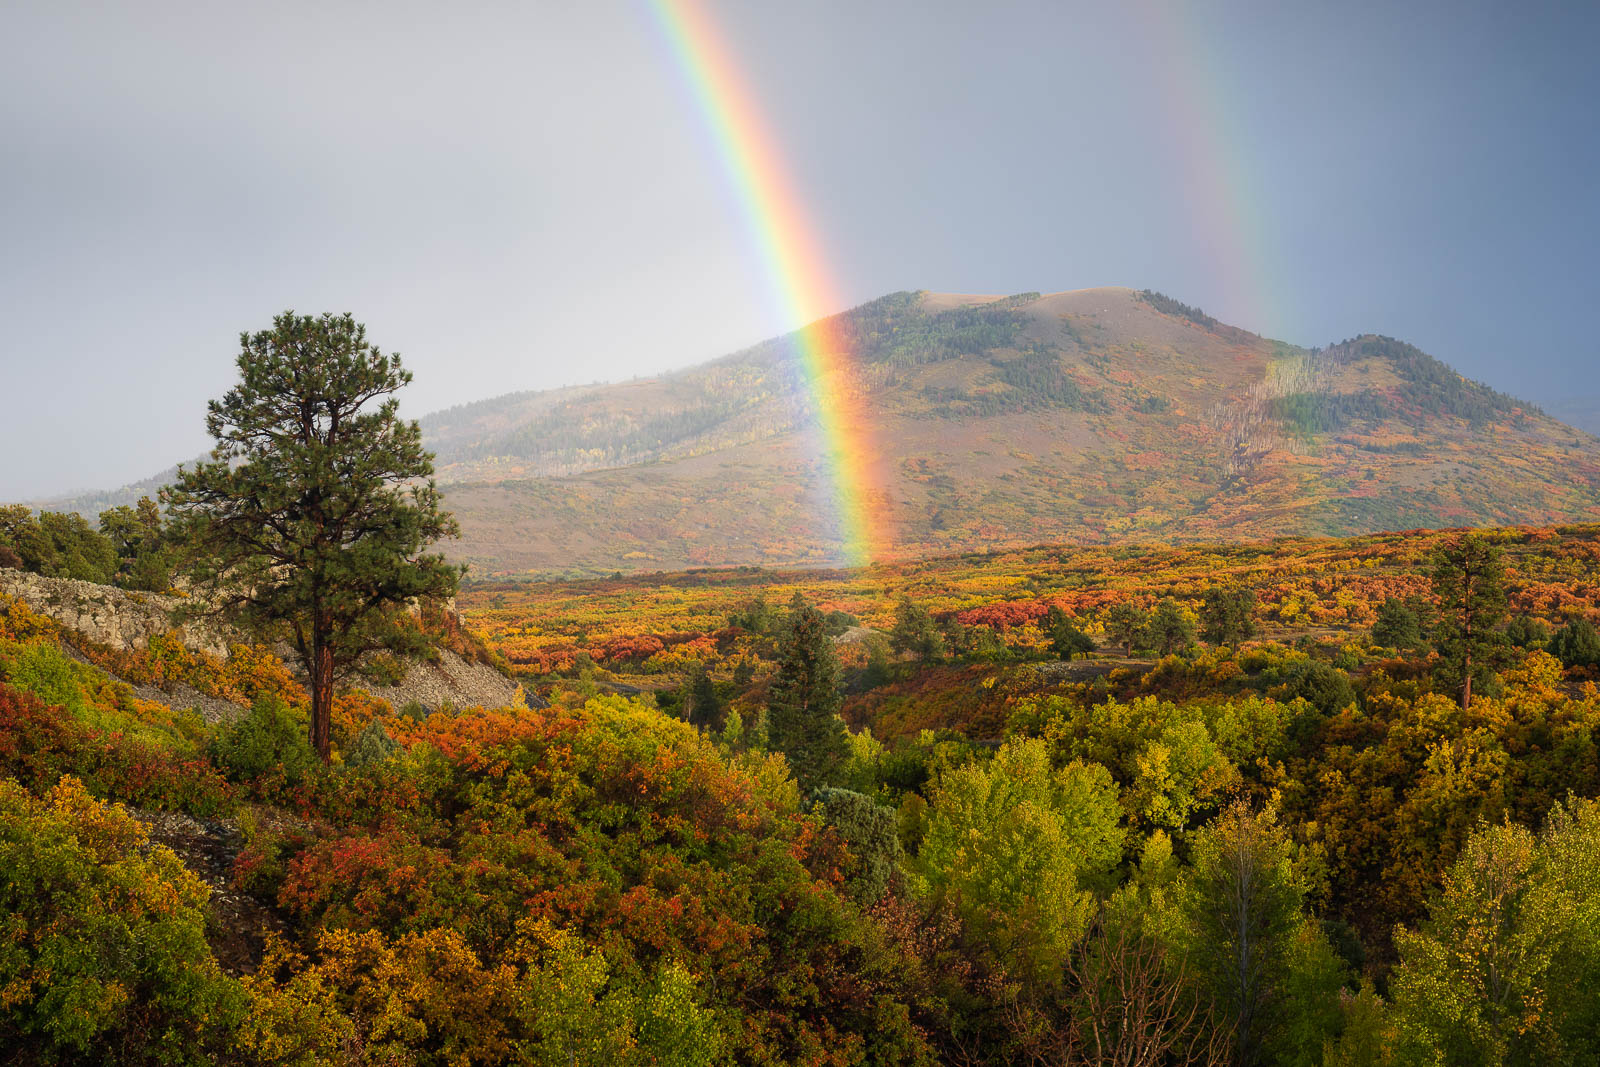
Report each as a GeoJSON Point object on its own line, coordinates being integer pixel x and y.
{"type": "Point", "coordinates": [523, 195]}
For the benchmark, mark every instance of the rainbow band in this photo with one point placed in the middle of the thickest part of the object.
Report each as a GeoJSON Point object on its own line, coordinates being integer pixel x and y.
{"type": "Point", "coordinates": [787, 244]}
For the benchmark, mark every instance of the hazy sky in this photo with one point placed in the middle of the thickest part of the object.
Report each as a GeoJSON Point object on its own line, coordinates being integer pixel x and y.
{"type": "Point", "coordinates": [523, 195]}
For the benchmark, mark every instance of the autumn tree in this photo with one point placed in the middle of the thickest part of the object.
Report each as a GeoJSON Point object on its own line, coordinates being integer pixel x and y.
{"type": "Point", "coordinates": [311, 518]}
{"type": "Point", "coordinates": [1469, 579]}
{"type": "Point", "coordinates": [1010, 843]}
{"type": "Point", "coordinates": [804, 701]}
{"type": "Point", "coordinates": [1228, 616]}
{"type": "Point", "coordinates": [1504, 969]}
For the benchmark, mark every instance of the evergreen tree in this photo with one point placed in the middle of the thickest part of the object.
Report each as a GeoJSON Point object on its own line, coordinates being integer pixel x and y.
{"type": "Point", "coordinates": [1171, 629]}
{"type": "Point", "coordinates": [1066, 640]}
{"type": "Point", "coordinates": [310, 519]}
{"type": "Point", "coordinates": [1125, 624]}
{"type": "Point", "coordinates": [1526, 632]}
{"type": "Point", "coordinates": [1397, 626]}
{"type": "Point", "coordinates": [702, 705]}
{"type": "Point", "coordinates": [914, 631]}
{"type": "Point", "coordinates": [803, 704]}
{"type": "Point", "coordinates": [144, 558]}
{"type": "Point", "coordinates": [1469, 579]}
{"type": "Point", "coordinates": [1228, 616]}
{"type": "Point", "coordinates": [1577, 644]}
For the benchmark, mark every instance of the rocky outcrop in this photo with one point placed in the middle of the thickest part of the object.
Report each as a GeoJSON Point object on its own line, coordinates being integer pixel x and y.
{"type": "Point", "coordinates": [113, 617]}
{"type": "Point", "coordinates": [126, 620]}
{"type": "Point", "coordinates": [452, 681]}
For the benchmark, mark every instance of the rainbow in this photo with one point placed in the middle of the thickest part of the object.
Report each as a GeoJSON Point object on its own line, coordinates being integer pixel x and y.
{"type": "Point", "coordinates": [1212, 153]}
{"type": "Point", "coordinates": [787, 243]}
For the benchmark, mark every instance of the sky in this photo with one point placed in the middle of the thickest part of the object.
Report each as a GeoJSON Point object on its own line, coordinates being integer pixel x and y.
{"type": "Point", "coordinates": [525, 195]}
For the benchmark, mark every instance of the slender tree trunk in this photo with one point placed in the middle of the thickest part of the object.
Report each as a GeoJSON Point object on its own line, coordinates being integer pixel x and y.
{"type": "Point", "coordinates": [1466, 629]}
{"type": "Point", "coordinates": [321, 688]}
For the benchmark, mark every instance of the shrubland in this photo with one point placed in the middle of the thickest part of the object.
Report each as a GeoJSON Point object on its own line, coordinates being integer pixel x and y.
{"type": "Point", "coordinates": [897, 815]}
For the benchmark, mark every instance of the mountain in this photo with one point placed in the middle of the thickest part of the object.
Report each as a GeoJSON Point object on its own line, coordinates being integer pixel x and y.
{"type": "Point", "coordinates": [1098, 415]}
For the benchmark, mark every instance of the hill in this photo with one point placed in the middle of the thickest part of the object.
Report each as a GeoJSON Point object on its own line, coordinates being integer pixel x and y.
{"type": "Point", "coordinates": [1097, 416]}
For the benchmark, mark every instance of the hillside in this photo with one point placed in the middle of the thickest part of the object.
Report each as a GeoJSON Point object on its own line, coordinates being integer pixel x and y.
{"type": "Point", "coordinates": [1096, 416]}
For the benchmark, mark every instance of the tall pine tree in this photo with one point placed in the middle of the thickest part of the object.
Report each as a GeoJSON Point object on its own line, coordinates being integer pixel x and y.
{"type": "Point", "coordinates": [1469, 579]}
{"type": "Point", "coordinates": [310, 520]}
{"type": "Point", "coordinates": [803, 704]}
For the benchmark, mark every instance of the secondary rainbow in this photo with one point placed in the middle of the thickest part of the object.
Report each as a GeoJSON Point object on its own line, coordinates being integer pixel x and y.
{"type": "Point", "coordinates": [787, 244]}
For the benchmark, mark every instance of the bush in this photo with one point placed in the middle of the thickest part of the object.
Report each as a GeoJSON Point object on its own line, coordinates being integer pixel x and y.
{"type": "Point", "coordinates": [1577, 644]}
{"type": "Point", "coordinates": [1528, 633]}
{"type": "Point", "coordinates": [40, 743]}
{"type": "Point", "coordinates": [372, 746]}
{"type": "Point", "coordinates": [105, 957]}
{"type": "Point", "coordinates": [269, 739]}
{"type": "Point", "coordinates": [870, 833]}
{"type": "Point", "coordinates": [1322, 685]}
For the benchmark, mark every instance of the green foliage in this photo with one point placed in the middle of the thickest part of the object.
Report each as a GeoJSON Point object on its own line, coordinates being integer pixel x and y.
{"type": "Point", "coordinates": [145, 556]}
{"type": "Point", "coordinates": [1397, 626]}
{"type": "Point", "coordinates": [1168, 306]}
{"type": "Point", "coordinates": [1125, 624]}
{"type": "Point", "coordinates": [1528, 633]}
{"type": "Point", "coordinates": [1013, 843]}
{"type": "Point", "coordinates": [757, 616]}
{"type": "Point", "coordinates": [1577, 644]}
{"type": "Point", "coordinates": [103, 956]}
{"type": "Point", "coordinates": [1495, 974]}
{"type": "Point", "coordinates": [57, 544]}
{"type": "Point", "coordinates": [702, 706]}
{"type": "Point", "coordinates": [1228, 616]}
{"type": "Point", "coordinates": [1170, 627]}
{"type": "Point", "coordinates": [1324, 686]}
{"type": "Point", "coordinates": [804, 701]}
{"type": "Point", "coordinates": [914, 631]}
{"type": "Point", "coordinates": [41, 668]}
{"type": "Point", "coordinates": [1243, 934]}
{"type": "Point", "coordinates": [372, 746]}
{"type": "Point", "coordinates": [1066, 640]}
{"type": "Point", "coordinates": [870, 833]}
{"type": "Point", "coordinates": [269, 741]}
{"type": "Point", "coordinates": [1429, 386]}
{"type": "Point", "coordinates": [1469, 580]}
{"type": "Point", "coordinates": [311, 517]}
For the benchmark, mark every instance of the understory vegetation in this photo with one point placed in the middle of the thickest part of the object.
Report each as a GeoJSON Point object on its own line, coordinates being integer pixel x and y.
{"type": "Point", "coordinates": [1308, 803]}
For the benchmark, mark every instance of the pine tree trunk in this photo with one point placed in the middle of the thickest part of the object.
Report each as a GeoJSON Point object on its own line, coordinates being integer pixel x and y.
{"type": "Point", "coordinates": [321, 689]}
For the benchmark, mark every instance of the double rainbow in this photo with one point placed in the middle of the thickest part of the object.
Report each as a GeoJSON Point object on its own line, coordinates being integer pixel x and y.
{"type": "Point", "coordinates": [787, 243]}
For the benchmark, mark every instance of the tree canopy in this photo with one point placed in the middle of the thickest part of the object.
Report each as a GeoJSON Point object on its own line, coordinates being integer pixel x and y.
{"type": "Point", "coordinates": [311, 517]}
